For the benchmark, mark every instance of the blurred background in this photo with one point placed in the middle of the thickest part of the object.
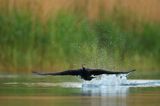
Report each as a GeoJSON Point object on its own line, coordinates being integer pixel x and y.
{"type": "Point", "coordinates": [55, 35]}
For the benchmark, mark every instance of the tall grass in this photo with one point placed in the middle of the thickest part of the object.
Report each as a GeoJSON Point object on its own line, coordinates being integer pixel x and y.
{"type": "Point", "coordinates": [27, 42]}
{"type": "Point", "coordinates": [35, 37]}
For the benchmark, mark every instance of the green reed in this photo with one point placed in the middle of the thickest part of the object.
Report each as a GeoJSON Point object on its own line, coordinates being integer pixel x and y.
{"type": "Point", "coordinates": [67, 40]}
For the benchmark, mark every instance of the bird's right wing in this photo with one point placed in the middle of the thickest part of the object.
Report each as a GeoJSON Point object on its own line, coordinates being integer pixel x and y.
{"type": "Point", "coordinates": [67, 72]}
{"type": "Point", "coordinates": [98, 71]}
{"type": "Point", "coordinates": [101, 71]}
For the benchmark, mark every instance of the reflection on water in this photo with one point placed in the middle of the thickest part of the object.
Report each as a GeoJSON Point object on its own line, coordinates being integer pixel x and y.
{"type": "Point", "coordinates": [105, 91]}
{"type": "Point", "coordinates": [108, 95]}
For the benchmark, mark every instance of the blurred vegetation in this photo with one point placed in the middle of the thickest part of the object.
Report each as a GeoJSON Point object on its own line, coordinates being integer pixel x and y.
{"type": "Point", "coordinates": [68, 39]}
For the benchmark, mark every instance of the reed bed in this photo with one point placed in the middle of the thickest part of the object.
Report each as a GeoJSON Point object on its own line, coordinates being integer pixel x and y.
{"type": "Point", "coordinates": [60, 34]}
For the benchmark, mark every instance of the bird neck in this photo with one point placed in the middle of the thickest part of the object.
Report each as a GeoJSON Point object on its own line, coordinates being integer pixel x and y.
{"type": "Point", "coordinates": [83, 68]}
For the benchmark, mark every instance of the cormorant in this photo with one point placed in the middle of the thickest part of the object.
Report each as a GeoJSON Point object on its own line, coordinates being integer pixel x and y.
{"type": "Point", "coordinates": [84, 73]}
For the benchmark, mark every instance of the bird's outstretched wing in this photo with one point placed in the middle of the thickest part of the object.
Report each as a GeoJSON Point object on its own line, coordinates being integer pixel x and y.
{"type": "Point", "coordinates": [101, 71]}
{"type": "Point", "coordinates": [67, 72]}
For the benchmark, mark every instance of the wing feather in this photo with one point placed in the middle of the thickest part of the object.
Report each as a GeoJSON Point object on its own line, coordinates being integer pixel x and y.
{"type": "Point", "coordinates": [67, 72]}
{"type": "Point", "coordinates": [102, 71]}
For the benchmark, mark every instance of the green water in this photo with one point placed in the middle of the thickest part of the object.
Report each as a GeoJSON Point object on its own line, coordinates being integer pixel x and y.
{"type": "Point", "coordinates": [59, 91]}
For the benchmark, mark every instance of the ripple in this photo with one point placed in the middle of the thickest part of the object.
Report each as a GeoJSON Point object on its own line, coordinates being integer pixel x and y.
{"type": "Point", "coordinates": [47, 84]}
{"type": "Point", "coordinates": [100, 81]}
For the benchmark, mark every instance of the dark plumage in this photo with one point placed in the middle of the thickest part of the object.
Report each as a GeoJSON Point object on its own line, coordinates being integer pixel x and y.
{"type": "Point", "coordinates": [84, 73]}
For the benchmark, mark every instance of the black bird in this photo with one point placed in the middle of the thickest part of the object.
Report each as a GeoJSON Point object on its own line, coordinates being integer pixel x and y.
{"type": "Point", "coordinates": [84, 73]}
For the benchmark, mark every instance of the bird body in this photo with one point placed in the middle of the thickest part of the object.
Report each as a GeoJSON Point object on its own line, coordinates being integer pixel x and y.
{"type": "Point", "coordinates": [84, 73]}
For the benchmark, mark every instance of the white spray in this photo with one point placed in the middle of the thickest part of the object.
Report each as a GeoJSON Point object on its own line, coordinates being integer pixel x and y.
{"type": "Point", "coordinates": [107, 80]}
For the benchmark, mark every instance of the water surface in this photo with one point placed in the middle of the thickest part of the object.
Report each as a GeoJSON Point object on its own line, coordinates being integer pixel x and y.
{"type": "Point", "coordinates": [103, 91]}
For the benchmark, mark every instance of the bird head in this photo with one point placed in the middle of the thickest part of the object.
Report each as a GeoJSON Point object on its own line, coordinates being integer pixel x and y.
{"type": "Point", "coordinates": [83, 66]}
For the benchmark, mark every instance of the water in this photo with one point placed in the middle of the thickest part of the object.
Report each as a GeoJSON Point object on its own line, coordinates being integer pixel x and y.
{"type": "Point", "coordinates": [55, 91]}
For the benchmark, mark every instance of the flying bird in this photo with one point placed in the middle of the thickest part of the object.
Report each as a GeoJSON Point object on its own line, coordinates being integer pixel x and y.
{"type": "Point", "coordinates": [85, 73]}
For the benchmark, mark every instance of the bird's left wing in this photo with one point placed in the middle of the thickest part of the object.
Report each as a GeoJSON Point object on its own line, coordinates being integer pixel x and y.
{"type": "Point", "coordinates": [67, 72]}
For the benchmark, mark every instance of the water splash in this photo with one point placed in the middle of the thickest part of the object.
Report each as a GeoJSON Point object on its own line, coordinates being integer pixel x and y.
{"type": "Point", "coordinates": [106, 80]}
{"type": "Point", "coordinates": [119, 80]}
